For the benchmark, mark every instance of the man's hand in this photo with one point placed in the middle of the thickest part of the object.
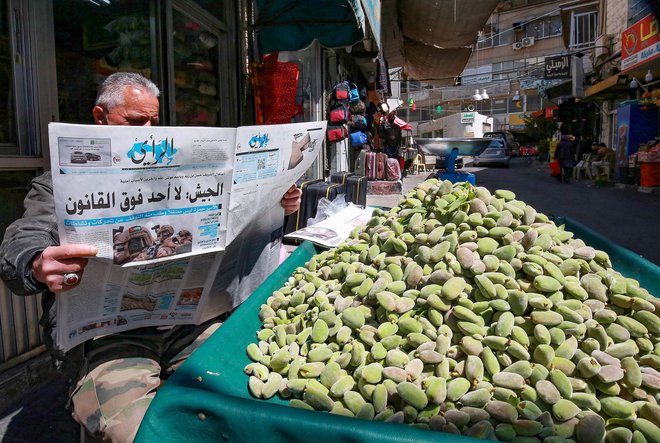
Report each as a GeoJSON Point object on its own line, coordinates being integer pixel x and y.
{"type": "Point", "coordinates": [50, 266]}
{"type": "Point", "coordinates": [291, 200]}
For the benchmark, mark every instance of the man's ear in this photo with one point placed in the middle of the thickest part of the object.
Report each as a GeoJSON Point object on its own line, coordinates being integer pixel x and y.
{"type": "Point", "coordinates": [99, 117]}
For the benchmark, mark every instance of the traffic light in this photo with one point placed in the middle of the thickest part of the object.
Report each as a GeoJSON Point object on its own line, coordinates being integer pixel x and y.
{"type": "Point", "coordinates": [411, 101]}
{"type": "Point", "coordinates": [414, 107]}
{"type": "Point", "coordinates": [438, 109]}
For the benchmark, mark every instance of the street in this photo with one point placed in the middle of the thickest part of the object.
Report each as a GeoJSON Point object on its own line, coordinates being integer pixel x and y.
{"type": "Point", "coordinates": [624, 216]}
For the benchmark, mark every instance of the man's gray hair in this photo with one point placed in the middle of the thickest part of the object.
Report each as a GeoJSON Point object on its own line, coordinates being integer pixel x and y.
{"type": "Point", "coordinates": [111, 92]}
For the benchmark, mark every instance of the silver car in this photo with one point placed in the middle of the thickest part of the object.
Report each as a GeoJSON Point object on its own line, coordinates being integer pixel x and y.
{"type": "Point", "coordinates": [495, 154]}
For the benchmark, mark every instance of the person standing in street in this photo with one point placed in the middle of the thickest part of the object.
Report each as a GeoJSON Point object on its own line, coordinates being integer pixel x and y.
{"type": "Point", "coordinates": [113, 377]}
{"type": "Point", "coordinates": [390, 133]}
{"type": "Point", "coordinates": [564, 154]}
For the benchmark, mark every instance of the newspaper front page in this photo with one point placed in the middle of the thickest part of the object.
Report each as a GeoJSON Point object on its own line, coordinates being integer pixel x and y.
{"type": "Point", "coordinates": [162, 204]}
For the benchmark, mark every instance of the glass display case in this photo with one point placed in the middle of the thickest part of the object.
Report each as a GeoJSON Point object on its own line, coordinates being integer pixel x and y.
{"type": "Point", "coordinates": [93, 41]}
{"type": "Point", "coordinates": [195, 60]}
{"type": "Point", "coordinates": [8, 124]}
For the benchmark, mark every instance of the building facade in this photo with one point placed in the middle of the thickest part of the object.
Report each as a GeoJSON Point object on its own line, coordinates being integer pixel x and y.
{"type": "Point", "coordinates": [505, 76]}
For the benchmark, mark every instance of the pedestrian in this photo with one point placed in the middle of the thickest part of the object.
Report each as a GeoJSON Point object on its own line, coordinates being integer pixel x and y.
{"type": "Point", "coordinates": [113, 378]}
{"type": "Point", "coordinates": [564, 154]}
{"type": "Point", "coordinates": [390, 132]}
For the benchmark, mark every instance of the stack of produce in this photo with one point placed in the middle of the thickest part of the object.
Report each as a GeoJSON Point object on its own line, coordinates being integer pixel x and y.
{"type": "Point", "coordinates": [469, 313]}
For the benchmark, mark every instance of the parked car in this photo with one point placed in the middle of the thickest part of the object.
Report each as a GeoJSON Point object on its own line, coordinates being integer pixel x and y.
{"type": "Point", "coordinates": [510, 144]}
{"type": "Point", "coordinates": [78, 157]}
{"type": "Point", "coordinates": [92, 157]}
{"type": "Point", "coordinates": [495, 154]}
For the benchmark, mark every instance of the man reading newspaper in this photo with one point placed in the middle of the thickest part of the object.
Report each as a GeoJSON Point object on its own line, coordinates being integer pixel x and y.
{"type": "Point", "coordinates": [113, 377]}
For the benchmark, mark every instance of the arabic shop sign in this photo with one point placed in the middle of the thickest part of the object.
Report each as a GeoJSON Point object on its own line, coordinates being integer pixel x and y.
{"type": "Point", "coordinates": [557, 67]}
{"type": "Point", "coordinates": [640, 43]}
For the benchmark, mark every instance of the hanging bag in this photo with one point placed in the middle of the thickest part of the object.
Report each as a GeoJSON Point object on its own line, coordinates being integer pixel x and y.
{"type": "Point", "coordinates": [339, 114]}
{"type": "Point", "coordinates": [353, 93]}
{"type": "Point", "coordinates": [341, 92]}
{"type": "Point", "coordinates": [358, 139]}
{"type": "Point", "coordinates": [336, 133]}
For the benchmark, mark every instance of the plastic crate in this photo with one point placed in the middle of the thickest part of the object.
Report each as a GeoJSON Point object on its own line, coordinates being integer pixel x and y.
{"type": "Point", "coordinates": [207, 399]}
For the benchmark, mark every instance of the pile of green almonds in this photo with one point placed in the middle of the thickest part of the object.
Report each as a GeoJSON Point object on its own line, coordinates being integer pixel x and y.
{"type": "Point", "coordinates": [469, 313]}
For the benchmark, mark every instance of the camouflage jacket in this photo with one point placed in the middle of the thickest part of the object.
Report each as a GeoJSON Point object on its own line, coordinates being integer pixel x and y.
{"type": "Point", "coordinates": [25, 238]}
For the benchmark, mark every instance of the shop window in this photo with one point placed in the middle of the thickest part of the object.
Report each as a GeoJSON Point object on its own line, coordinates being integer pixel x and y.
{"type": "Point", "coordinates": [498, 106]}
{"type": "Point", "coordinates": [515, 106]}
{"type": "Point", "coordinates": [8, 126]}
{"type": "Point", "coordinates": [93, 41]}
{"type": "Point", "coordinates": [196, 88]}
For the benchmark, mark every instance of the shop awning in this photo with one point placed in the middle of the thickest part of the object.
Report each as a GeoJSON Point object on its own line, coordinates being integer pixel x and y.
{"type": "Point", "coordinates": [403, 124]}
{"type": "Point", "coordinates": [291, 25]}
{"type": "Point", "coordinates": [562, 89]}
{"type": "Point", "coordinates": [432, 39]}
{"type": "Point", "coordinates": [613, 86]}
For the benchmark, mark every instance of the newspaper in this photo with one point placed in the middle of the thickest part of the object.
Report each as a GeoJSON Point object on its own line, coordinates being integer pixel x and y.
{"type": "Point", "coordinates": [336, 228]}
{"type": "Point", "coordinates": [162, 204]}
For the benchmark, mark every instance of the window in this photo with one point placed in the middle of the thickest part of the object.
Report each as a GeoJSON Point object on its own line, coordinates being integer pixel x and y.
{"type": "Point", "coordinates": [544, 27]}
{"type": "Point", "coordinates": [507, 70]}
{"type": "Point", "coordinates": [8, 127]}
{"type": "Point", "coordinates": [490, 37]}
{"type": "Point", "coordinates": [584, 29]}
{"type": "Point", "coordinates": [638, 10]}
{"type": "Point", "coordinates": [533, 103]}
{"type": "Point", "coordinates": [499, 106]}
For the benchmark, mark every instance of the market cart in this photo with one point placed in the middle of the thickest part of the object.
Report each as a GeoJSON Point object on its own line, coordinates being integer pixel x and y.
{"type": "Point", "coordinates": [207, 398]}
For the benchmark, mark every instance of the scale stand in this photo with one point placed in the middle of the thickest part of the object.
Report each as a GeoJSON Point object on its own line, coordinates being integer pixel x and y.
{"type": "Point", "coordinates": [450, 171]}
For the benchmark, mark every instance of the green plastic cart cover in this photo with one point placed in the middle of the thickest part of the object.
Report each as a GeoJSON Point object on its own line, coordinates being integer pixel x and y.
{"type": "Point", "coordinates": [207, 398]}
{"type": "Point", "coordinates": [623, 260]}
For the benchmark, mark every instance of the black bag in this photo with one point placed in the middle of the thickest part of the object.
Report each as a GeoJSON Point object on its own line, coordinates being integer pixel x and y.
{"type": "Point", "coordinates": [294, 221]}
{"type": "Point", "coordinates": [356, 189]}
{"type": "Point", "coordinates": [310, 199]}
{"type": "Point", "coordinates": [341, 92]}
{"type": "Point", "coordinates": [355, 186]}
{"type": "Point", "coordinates": [339, 177]}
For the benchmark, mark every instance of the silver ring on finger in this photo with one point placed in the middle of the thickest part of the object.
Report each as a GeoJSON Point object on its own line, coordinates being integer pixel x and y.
{"type": "Point", "coordinates": [71, 278]}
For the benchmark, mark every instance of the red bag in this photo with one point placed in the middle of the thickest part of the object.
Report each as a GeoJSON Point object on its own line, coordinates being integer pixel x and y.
{"type": "Point", "coordinates": [393, 171]}
{"type": "Point", "coordinates": [555, 169]}
{"type": "Point", "coordinates": [339, 115]}
{"type": "Point", "coordinates": [341, 92]}
{"type": "Point", "coordinates": [336, 133]}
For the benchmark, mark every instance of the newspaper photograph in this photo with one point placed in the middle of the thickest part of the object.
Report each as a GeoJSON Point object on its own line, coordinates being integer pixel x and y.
{"type": "Point", "coordinates": [161, 204]}
{"type": "Point", "coordinates": [336, 228]}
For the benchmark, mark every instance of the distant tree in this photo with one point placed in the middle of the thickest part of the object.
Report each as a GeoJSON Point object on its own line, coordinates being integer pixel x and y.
{"type": "Point", "coordinates": [540, 130]}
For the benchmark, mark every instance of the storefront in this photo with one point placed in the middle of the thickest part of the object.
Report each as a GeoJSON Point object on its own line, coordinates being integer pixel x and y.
{"type": "Point", "coordinates": [55, 54]}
